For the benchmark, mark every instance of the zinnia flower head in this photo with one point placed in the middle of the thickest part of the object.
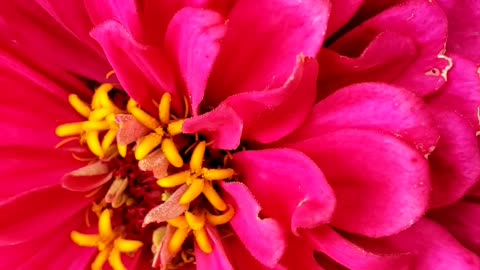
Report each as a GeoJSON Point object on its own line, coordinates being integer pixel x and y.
{"type": "Point", "coordinates": [239, 135]}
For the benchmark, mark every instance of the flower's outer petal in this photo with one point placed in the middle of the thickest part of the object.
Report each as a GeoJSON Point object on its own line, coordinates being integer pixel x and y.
{"type": "Point", "coordinates": [300, 255]}
{"type": "Point", "coordinates": [455, 162]}
{"type": "Point", "coordinates": [341, 12]}
{"type": "Point", "coordinates": [433, 247]}
{"type": "Point", "coordinates": [462, 90]}
{"type": "Point", "coordinates": [270, 115]}
{"type": "Point", "coordinates": [335, 246]}
{"type": "Point", "coordinates": [193, 39]}
{"type": "Point", "coordinates": [419, 28]}
{"type": "Point", "coordinates": [61, 252]}
{"type": "Point", "coordinates": [156, 15]}
{"type": "Point", "coordinates": [222, 125]}
{"type": "Point", "coordinates": [87, 178]}
{"type": "Point", "coordinates": [462, 220]}
{"type": "Point", "coordinates": [381, 184]}
{"type": "Point", "coordinates": [279, 30]}
{"type": "Point", "coordinates": [463, 37]}
{"type": "Point", "coordinates": [218, 259]}
{"type": "Point", "coordinates": [142, 70]}
{"type": "Point", "coordinates": [372, 106]}
{"type": "Point", "coordinates": [263, 238]}
{"type": "Point", "coordinates": [288, 185]}
{"type": "Point", "coordinates": [37, 211]}
{"type": "Point", "coordinates": [123, 11]}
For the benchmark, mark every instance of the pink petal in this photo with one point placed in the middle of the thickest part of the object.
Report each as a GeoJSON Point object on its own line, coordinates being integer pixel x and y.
{"type": "Point", "coordinates": [155, 162]}
{"type": "Point", "coordinates": [163, 257]}
{"type": "Point", "coordinates": [263, 238]}
{"type": "Point", "coordinates": [381, 184]}
{"type": "Point", "coordinates": [260, 111]}
{"type": "Point", "coordinates": [350, 255]}
{"type": "Point", "coordinates": [142, 70]}
{"type": "Point", "coordinates": [279, 30]}
{"type": "Point", "coordinates": [87, 178]}
{"type": "Point", "coordinates": [222, 125]}
{"type": "Point", "coordinates": [218, 259]}
{"type": "Point", "coordinates": [418, 23]}
{"type": "Point", "coordinates": [193, 39]}
{"type": "Point", "coordinates": [461, 220]}
{"type": "Point", "coordinates": [130, 130]}
{"type": "Point", "coordinates": [299, 255]}
{"type": "Point", "coordinates": [463, 35]}
{"type": "Point", "coordinates": [49, 206]}
{"type": "Point", "coordinates": [373, 106]}
{"type": "Point", "coordinates": [288, 185]}
{"type": "Point", "coordinates": [462, 90]}
{"type": "Point", "coordinates": [433, 247]}
{"type": "Point", "coordinates": [168, 210]}
{"type": "Point", "coordinates": [455, 162]}
{"type": "Point", "coordinates": [341, 12]}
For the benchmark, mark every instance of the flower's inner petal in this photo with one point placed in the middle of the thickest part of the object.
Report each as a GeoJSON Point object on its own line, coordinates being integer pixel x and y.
{"type": "Point", "coordinates": [217, 260]}
{"type": "Point", "coordinates": [341, 12]}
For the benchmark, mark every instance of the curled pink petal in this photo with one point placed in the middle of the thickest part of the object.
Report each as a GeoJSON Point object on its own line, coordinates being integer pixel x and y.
{"type": "Point", "coordinates": [87, 178]}
{"type": "Point", "coordinates": [155, 162]}
{"type": "Point", "coordinates": [167, 210]}
{"type": "Point", "coordinates": [129, 129]}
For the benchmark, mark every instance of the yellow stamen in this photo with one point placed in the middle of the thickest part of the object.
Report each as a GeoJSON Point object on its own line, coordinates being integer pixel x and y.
{"type": "Point", "coordinates": [217, 174]}
{"type": "Point", "coordinates": [93, 143]}
{"type": "Point", "coordinates": [109, 138]}
{"type": "Point", "coordinates": [144, 118]}
{"type": "Point", "coordinates": [195, 222]}
{"type": "Point", "coordinates": [93, 125]}
{"type": "Point", "coordinates": [127, 246]}
{"type": "Point", "coordinates": [196, 160]}
{"type": "Point", "coordinates": [115, 260]}
{"type": "Point", "coordinates": [177, 240]}
{"type": "Point", "coordinates": [122, 150]}
{"type": "Point", "coordinates": [81, 107]}
{"type": "Point", "coordinates": [213, 197]}
{"type": "Point", "coordinates": [104, 224]}
{"type": "Point", "coordinates": [221, 219]}
{"type": "Point", "coordinates": [193, 191]}
{"type": "Point", "coordinates": [201, 238]}
{"type": "Point", "coordinates": [164, 108]}
{"type": "Point", "coordinates": [170, 151]}
{"type": "Point", "coordinates": [84, 240]}
{"type": "Point", "coordinates": [178, 222]}
{"type": "Point", "coordinates": [131, 104]}
{"type": "Point", "coordinates": [69, 129]}
{"type": "Point", "coordinates": [100, 260]}
{"type": "Point", "coordinates": [175, 128]}
{"type": "Point", "coordinates": [99, 114]}
{"type": "Point", "coordinates": [147, 144]}
{"type": "Point", "coordinates": [174, 180]}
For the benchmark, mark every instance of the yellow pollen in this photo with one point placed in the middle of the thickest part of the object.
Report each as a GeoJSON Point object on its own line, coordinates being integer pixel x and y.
{"type": "Point", "coordinates": [69, 129]}
{"type": "Point", "coordinates": [122, 150]}
{"type": "Point", "coordinates": [175, 128]}
{"type": "Point", "coordinates": [196, 160]}
{"type": "Point", "coordinates": [185, 224]}
{"type": "Point", "coordinates": [193, 191]}
{"type": "Point", "coordinates": [174, 180]}
{"type": "Point", "coordinates": [81, 107]}
{"type": "Point", "coordinates": [164, 108]}
{"type": "Point", "coordinates": [221, 219]}
{"type": "Point", "coordinates": [212, 196]}
{"type": "Point", "coordinates": [144, 118]}
{"type": "Point", "coordinates": [217, 174]}
{"type": "Point", "coordinates": [147, 144]}
{"type": "Point", "coordinates": [109, 138]}
{"type": "Point", "coordinates": [109, 243]}
{"type": "Point", "coordinates": [93, 143]}
{"type": "Point", "coordinates": [171, 153]}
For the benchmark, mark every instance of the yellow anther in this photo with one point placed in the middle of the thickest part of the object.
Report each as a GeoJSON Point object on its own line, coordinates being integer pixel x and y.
{"type": "Point", "coordinates": [164, 108]}
{"type": "Point", "coordinates": [147, 144]}
{"type": "Point", "coordinates": [100, 260]}
{"type": "Point", "coordinates": [115, 260]}
{"type": "Point", "coordinates": [100, 114]}
{"type": "Point", "coordinates": [196, 160]}
{"type": "Point", "coordinates": [201, 238]}
{"type": "Point", "coordinates": [178, 222]}
{"type": "Point", "coordinates": [101, 95]}
{"type": "Point", "coordinates": [69, 129]}
{"type": "Point", "coordinates": [93, 143]}
{"type": "Point", "coordinates": [81, 107]}
{"type": "Point", "coordinates": [195, 222]}
{"type": "Point", "coordinates": [193, 191]}
{"type": "Point", "coordinates": [84, 240]}
{"type": "Point", "coordinates": [177, 240]}
{"type": "Point", "coordinates": [175, 128]}
{"type": "Point", "coordinates": [127, 246]}
{"type": "Point", "coordinates": [144, 118]}
{"type": "Point", "coordinates": [221, 219]}
{"type": "Point", "coordinates": [122, 150]}
{"type": "Point", "coordinates": [109, 138]}
{"type": "Point", "coordinates": [174, 180]}
{"type": "Point", "coordinates": [171, 153]}
{"type": "Point", "coordinates": [105, 224]}
{"type": "Point", "coordinates": [213, 197]}
{"type": "Point", "coordinates": [93, 125]}
{"type": "Point", "coordinates": [217, 174]}
{"type": "Point", "coordinates": [131, 104]}
{"type": "Point", "coordinates": [110, 118]}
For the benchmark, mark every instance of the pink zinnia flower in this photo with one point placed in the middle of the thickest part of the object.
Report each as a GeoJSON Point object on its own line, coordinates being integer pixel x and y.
{"type": "Point", "coordinates": [251, 154]}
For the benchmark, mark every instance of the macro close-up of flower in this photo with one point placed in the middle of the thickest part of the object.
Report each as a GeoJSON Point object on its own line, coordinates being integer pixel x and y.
{"type": "Point", "coordinates": [240, 134]}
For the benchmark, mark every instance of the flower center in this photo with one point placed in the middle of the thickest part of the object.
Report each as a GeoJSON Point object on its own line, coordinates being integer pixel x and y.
{"type": "Point", "coordinates": [153, 197]}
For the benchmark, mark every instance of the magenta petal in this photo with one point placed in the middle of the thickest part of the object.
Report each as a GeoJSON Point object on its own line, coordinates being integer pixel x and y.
{"type": "Point", "coordinates": [299, 255]}
{"type": "Point", "coordinates": [373, 106]}
{"type": "Point", "coordinates": [433, 247]}
{"type": "Point", "coordinates": [263, 238]}
{"type": "Point", "coordinates": [455, 162]}
{"type": "Point", "coordinates": [222, 125]}
{"type": "Point", "coordinates": [48, 206]}
{"type": "Point", "coordinates": [341, 12]}
{"type": "Point", "coordinates": [350, 255]}
{"type": "Point", "coordinates": [381, 184]}
{"type": "Point", "coordinates": [218, 259]}
{"type": "Point", "coordinates": [87, 178]}
{"type": "Point", "coordinates": [193, 39]}
{"type": "Point", "coordinates": [269, 115]}
{"type": "Point", "coordinates": [463, 35]}
{"type": "Point", "coordinates": [279, 30]}
{"type": "Point", "coordinates": [288, 185]}
{"type": "Point", "coordinates": [142, 70]}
